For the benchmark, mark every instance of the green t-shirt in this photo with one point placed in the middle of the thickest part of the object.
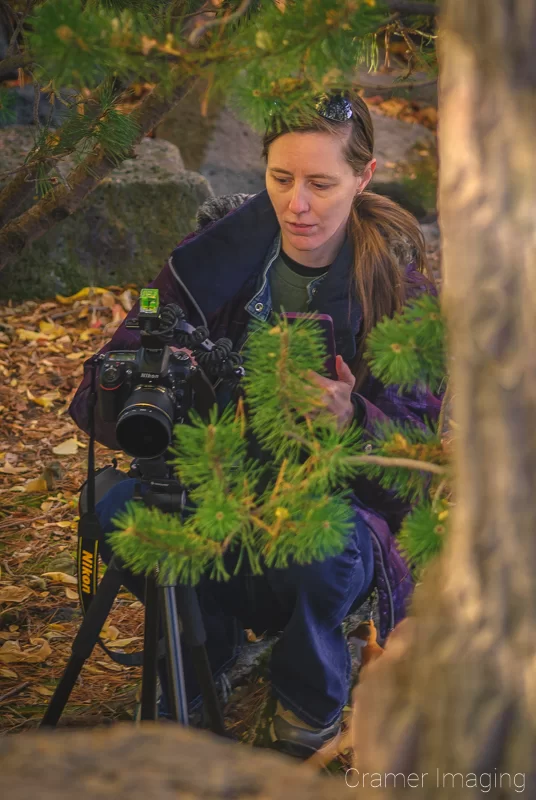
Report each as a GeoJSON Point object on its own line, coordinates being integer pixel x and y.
{"type": "Point", "coordinates": [289, 281]}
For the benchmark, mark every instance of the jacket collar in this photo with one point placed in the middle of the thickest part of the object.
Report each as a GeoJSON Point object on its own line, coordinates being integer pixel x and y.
{"type": "Point", "coordinates": [217, 263]}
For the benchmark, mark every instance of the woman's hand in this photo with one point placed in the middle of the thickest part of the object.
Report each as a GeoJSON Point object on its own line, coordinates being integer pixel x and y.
{"type": "Point", "coordinates": [337, 394]}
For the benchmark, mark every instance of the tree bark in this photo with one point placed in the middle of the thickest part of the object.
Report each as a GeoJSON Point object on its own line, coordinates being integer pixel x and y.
{"type": "Point", "coordinates": [152, 762]}
{"type": "Point", "coordinates": [456, 692]}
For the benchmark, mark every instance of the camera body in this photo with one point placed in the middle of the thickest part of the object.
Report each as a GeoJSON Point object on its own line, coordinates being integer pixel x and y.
{"type": "Point", "coordinates": [145, 392]}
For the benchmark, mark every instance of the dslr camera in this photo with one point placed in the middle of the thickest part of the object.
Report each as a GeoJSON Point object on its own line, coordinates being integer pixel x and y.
{"type": "Point", "coordinates": [147, 391]}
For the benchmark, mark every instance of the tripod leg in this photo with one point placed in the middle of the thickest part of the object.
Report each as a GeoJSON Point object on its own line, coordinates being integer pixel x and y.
{"type": "Point", "coordinates": [84, 642]}
{"type": "Point", "coordinates": [177, 690]}
{"type": "Point", "coordinates": [195, 636]}
{"type": "Point", "coordinates": [150, 648]}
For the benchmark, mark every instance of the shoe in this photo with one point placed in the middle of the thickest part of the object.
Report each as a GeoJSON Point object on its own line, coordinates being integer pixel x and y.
{"type": "Point", "coordinates": [295, 738]}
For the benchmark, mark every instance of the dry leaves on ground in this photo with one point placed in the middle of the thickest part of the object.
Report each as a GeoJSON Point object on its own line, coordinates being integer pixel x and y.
{"type": "Point", "coordinates": [405, 110]}
{"type": "Point", "coordinates": [42, 464]}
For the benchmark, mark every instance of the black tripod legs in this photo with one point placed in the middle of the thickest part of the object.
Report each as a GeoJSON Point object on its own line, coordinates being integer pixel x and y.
{"type": "Point", "coordinates": [195, 636]}
{"type": "Point", "coordinates": [167, 602]}
{"type": "Point", "coordinates": [150, 652]}
{"type": "Point", "coordinates": [84, 642]}
{"type": "Point", "coordinates": [177, 690]}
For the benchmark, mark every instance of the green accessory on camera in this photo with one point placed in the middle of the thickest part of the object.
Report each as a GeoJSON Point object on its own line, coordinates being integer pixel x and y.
{"type": "Point", "coordinates": [149, 301]}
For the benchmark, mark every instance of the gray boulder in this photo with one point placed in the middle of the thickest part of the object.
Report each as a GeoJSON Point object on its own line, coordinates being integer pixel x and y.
{"type": "Point", "coordinates": [406, 155]}
{"type": "Point", "coordinates": [123, 233]}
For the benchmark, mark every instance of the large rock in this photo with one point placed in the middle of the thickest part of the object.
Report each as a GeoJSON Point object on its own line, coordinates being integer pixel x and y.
{"type": "Point", "coordinates": [406, 155]}
{"type": "Point", "coordinates": [123, 233]}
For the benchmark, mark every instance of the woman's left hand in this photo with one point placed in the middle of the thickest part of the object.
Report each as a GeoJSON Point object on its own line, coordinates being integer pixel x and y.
{"type": "Point", "coordinates": [337, 394]}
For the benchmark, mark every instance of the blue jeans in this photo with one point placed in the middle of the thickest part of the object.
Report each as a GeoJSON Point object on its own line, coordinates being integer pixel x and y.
{"type": "Point", "coordinates": [310, 663]}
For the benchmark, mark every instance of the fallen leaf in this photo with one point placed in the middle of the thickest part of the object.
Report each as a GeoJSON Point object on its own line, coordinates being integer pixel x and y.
{"type": "Point", "coordinates": [70, 595]}
{"type": "Point", "coordinates": [30, 336]}
{"type": "Point", "coordinates": [9, 469]}
{"type": "Point", "coordinates": [106, 664]}
{"type": "Point", "coordinates": [46, 400]}
{"type": "Point", "coordinates": [252, 636]}
{"type": "Point", "coordinates": [110, 632]}
{"type": "Point", "coordinates": [11, 653]}
{"type": "Point", "coordinates": [50, 329]}
{"type": "Point", "coordinates": [61, 577]}
{"type": "Point", "coordinates": [125, 642]}
{"type": "Point", "coordinates": [14, 594]}
{"type": "Point", "coordinates": [92, 669]}
{"type": "Point", "coordinates": [67, 448]}
{"type": "Point", "coordinates": [35, 485]}
{"type": "Point", "coordinates": [127, 300]}
{"type": "Point", "coordinates": [86, 292]}
{"type": "Point", "coordinates": [107, 300]}
{"type": "Point", "coordinates": [7, 673]}
{"type": "Point", "coordinates": [43, 690]}
{"type": "Point", "coordinates": [75, 356]}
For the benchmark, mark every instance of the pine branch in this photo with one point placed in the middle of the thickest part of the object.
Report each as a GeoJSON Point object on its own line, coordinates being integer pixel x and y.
{"type": "Point", "coordinates": [407, 463]}
{"type": "Point", "coordinates": [66, 199]}
{"type": "Point", "coordinates": [18, 28]}
{"type": "Point", "coordinates": [42, 158]}
{"type": "Point", "coordinates": [200, 31]}
{"type": "Point", "coordinates": [292, 502]}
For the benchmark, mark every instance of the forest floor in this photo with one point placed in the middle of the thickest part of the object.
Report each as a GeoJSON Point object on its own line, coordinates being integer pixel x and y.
{"type": "Point", "coordinates": [43, 346]}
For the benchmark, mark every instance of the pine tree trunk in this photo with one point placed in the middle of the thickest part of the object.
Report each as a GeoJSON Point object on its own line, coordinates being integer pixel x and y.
{"type": "Point", "coordinates": [457, 692]}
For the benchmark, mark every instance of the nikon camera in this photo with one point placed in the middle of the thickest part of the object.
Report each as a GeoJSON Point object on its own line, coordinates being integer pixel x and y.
{"type": "Point", "coordinates": [146, 391]}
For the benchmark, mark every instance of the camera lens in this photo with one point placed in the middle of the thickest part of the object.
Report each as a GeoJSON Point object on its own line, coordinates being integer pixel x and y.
{"type": "Point", "coordinates": [144, 426]}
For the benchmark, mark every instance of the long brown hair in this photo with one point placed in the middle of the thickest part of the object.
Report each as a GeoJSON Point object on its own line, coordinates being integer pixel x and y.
{"type": "Point", "coordinates": [385, 237]}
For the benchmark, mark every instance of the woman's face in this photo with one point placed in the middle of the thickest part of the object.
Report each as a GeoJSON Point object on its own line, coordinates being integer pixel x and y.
{"type": "Point", "coordinates": [312, 186]}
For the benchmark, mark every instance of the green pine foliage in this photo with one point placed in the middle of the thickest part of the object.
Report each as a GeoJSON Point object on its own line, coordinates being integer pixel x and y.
{"type": "Point", "coordinates": [268, 479]}
{"type": "Point", "coordinates": [289, 504]}
{"type": "Point", "coordinates": [422, 535]}
{"type": "Point", "coordinates": [409, 348]}
{"type": "Point", "coordinates": [272, 62]}
{"type": "Point", "coordinates": [291, 63]}
{"type": "Point", "coordinates": [405, 441]}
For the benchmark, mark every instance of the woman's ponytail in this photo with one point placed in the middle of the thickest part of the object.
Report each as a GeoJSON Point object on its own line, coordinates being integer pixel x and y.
{"type": "Point", "coordinates": [386, 240]}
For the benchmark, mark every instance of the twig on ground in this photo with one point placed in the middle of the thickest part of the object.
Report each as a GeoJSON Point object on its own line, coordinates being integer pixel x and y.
{"type": "Point", "coordinates": [16, 690]}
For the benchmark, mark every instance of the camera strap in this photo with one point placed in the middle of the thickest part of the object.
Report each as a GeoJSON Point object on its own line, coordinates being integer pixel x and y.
{"type": "Point", "coordinates": [90, 534]}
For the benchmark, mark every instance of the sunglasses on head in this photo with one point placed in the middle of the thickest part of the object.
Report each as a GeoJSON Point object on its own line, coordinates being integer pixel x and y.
{"type": "Point", "coordinates": [334, 107]}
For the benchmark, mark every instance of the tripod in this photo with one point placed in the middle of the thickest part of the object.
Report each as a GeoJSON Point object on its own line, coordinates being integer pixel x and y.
{"type": "Point", "coordinates": [161, 601]}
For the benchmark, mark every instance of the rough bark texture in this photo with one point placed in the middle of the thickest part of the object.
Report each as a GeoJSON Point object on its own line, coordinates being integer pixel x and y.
{"type": "Point", "coordinates": [153, 762]}
{"type": "Point", "coordinates": [458, 693]}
